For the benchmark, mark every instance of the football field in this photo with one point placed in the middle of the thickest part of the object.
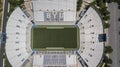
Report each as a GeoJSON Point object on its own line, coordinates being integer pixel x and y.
{"type": "Point", "coordinates": [54, 37]}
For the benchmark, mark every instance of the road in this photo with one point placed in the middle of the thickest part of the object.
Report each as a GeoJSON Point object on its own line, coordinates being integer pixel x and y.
{"type": "Point", "coordinates": [1, 59]}
{"type": "Point", "coordinates": [4, 28]}
{"type": "Point", "coordinates": [113, 34]}
{"type": "Point", "coordinates": [5, 15]}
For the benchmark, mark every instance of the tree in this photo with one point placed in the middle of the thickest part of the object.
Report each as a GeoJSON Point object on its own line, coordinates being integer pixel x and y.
{"type": "Point", "coordinates": [79, 3]}
{"type": "Point", "coordinates": [13, 4]}
{"type": "Point", "coordinates": [107, 60]}
{"type": "Point", "coordinates": [108, 49]}
{"type": "Point", "coordinates": [78, 8]}
{"type": "Point", "coordinates": [100, 3]}
{"type": "Point", "coordinates": [106, 25]}
{"type": "Point", "coordinates": [103, 9]}
{"type": "Point", "coordinates": [106, 12]}
{"type": "Point", "coordinates": [106, 65]}
{"type": "Point", "coordinates": [106, 17]}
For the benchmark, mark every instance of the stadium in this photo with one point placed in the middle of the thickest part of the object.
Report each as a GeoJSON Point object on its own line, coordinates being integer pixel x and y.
{"type": "Point", "coordinates": [50, 36]}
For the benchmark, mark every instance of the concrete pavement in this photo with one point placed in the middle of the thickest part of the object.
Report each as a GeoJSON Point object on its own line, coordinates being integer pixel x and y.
{"type": "Point", "coordinates": [113, 36]}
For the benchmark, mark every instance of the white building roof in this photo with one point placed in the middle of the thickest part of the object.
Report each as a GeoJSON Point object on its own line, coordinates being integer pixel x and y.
{"type": "Point", "coordinates": [38, 60]}
{"type": "Point", "coordinates": [71, 60]}
{"type": "Point", "coordinates": [68, 7]}
{"type": "Point", "coordinates": [55, 60]}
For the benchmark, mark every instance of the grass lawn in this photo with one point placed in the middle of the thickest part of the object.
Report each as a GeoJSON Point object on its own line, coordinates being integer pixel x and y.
{"type": "Point", "coordinates": [56, 37]}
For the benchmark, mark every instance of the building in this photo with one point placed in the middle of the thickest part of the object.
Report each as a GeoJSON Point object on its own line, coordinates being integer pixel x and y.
{"type": "Point", "coordinates": [54, 14]}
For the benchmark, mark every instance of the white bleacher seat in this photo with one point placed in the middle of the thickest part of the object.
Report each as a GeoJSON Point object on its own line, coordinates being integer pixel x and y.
{"type": "Point", "coordinates": [16, 38]}
{"type": "Point", "coordinates": [92, 49]}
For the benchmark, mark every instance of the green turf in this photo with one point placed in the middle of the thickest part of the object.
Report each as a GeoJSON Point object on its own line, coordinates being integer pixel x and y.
{"type": "Point", "coordinates": [44, 37]}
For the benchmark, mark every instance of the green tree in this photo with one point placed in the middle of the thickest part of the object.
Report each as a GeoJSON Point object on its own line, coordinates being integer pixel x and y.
{"type": "Point", "coordinates": [100, 3]}
{"type": "Point", "coordinates": [79, 3]}
{"type": "Point", "coordinates": [106, 65]}
{"type": "Point", "coordinates": [103, 9]}
{"type": "Point", "coordinates": [106, 17]}
{"type": "Point", "coordinates": [106, 12]}
{"type": "Point", "coordinates": [13, 4]}
{"type": "Point", "coordinates": [106, 25]}
{"type": "Point", "coordinates": [107, 60]}
{"type": "Point", "coordinates": [108, 49]}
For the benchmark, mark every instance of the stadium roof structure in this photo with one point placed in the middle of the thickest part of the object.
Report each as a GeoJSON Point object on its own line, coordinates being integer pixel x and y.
{"type": "Point", "coordinates": [18, 49]}
{"type": "Point", "coordinates": [91, 50]}
{"type": "Point", "coordinates": [55, 60]}
{"type": "Point", "coordinates": [54, 10]}
{"type": "Point", "coordinates": [16, 42]}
